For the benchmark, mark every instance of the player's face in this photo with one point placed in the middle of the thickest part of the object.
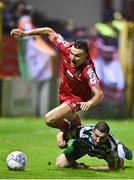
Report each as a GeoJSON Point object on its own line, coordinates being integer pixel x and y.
{"type": "Point", "coordinates": [77, 57]}
{"type": "Point", "coordinates": [99, 137]}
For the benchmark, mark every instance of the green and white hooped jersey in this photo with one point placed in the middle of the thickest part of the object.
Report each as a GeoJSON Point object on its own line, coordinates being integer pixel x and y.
{"type": "Point", "coordinates": [107, 151]}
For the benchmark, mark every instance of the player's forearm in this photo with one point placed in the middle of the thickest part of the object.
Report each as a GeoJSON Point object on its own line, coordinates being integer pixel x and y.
{"type": "Point", "coordinates": [95, 168]}
{"type": "Point", "coordinates": [96, 99]}
{"type": "Point", "coordinates": [41, 31]}
{"type": "Point", "coordinates": [113, 167]}
{"type": "Point", "coordinates": [99, 168]}
{"type": "Point", "coordinates": [50, 33]}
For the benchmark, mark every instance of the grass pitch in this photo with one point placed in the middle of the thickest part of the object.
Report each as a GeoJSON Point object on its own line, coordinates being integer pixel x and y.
{"type": "Point", "coordinates": [38, 142]}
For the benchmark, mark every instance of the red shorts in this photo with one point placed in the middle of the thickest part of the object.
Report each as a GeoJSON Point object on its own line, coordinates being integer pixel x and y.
{"type": "Point", "coordinates": [73, 103]}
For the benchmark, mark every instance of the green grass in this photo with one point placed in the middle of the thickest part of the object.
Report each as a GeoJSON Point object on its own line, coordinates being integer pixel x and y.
{"type": "Point", "coordinates": [38, 142]}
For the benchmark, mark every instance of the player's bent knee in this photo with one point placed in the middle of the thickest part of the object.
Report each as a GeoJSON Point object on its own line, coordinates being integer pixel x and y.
{"type": "Point", "coordinates": [49, 119]}
{"type": "Point", "coordinates": [62, 161]}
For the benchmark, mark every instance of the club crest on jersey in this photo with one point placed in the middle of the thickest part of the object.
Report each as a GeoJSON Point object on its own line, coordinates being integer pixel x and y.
{"type": "Point", "coordinates": [69, 73]}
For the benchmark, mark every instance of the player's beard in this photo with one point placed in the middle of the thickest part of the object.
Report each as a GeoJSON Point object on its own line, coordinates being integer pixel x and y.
{"type": "Point", "coordinates": [74, 63]}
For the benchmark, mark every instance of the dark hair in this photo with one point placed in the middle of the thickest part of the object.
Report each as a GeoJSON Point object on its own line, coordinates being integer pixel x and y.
{"type": "Point", "coordinates": [82, 44]}
{"type": "Point", "coordinates": [102, 127]}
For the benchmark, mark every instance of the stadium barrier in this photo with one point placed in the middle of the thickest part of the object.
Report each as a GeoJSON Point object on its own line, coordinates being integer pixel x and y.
{"type": "Point", "coordinates": [20, 92]}
{"type": "Point", "coordinates": [19, 97]}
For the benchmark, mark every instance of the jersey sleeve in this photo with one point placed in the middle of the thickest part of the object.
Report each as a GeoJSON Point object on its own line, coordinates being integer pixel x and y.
{"type": "Point", "coordinates": [91, 76]}
{"type": "Point", "coordinates": [61, 43]}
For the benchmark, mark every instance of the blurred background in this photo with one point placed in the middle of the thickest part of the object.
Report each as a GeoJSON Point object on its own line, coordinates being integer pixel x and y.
{"type": "Point", "coordinates": [30, 67]}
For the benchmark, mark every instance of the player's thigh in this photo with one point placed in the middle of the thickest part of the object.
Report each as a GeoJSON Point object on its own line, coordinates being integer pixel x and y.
{"type": "Point", "coordinates": [74, 151]}
{"type": "Point", "coordinates": [58, 113]}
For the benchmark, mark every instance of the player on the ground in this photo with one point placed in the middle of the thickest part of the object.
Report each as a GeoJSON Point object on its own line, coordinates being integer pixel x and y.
{"type": "Point", "coordinates": [79, 88]}
{"type": "Point", "coordinates": [95, 141]}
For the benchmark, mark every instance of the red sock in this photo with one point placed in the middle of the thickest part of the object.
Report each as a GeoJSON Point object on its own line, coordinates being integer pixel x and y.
{"type": "Point", "coordinates": [76, 121]}
{"type": "Point", "coordinates": [64, 125]}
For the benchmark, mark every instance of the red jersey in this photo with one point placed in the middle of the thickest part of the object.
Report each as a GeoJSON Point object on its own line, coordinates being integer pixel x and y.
{"type": "Point", "coordinates": [75, 83]}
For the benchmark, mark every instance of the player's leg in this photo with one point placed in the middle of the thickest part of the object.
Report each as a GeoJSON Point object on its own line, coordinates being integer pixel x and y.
{"type": "Point", "coordinates": [70, 155]}
{"type": "Point", "coordinates": [64, 118]}
{"type": "Point", "coordinates": [74, 118]}
{"type": "Point", "coordinates": [62, 161]}
{"type": "Point", "coordinates": [56, 117]}
{"type": "Point", "coordinates": [124, 152]}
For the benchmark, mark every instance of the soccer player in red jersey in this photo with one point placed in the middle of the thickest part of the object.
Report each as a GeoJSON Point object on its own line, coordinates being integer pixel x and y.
{"type": "Point", "coordinates": [79, 88]}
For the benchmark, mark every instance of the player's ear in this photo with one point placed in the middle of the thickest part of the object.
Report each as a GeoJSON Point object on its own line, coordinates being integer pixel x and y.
{"type": "Point", "coordinates": [85, 56]}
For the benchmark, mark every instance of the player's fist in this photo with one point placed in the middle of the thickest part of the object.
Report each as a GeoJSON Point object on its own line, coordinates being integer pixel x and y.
{"type": "Point", "coordinates": [17, 33]}
{"type": "Point", "coordinates": [60, 140]}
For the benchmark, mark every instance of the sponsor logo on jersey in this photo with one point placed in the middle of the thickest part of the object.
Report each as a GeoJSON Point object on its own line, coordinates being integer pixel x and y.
{"type": "Point", "coordinates": [62, 41]}
{"type": "Point", "coordinates": [92, 76]}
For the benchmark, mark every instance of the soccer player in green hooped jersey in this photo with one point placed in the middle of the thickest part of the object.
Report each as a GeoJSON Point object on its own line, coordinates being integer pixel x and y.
{"type": "Point", "coordinates": [95, 141]}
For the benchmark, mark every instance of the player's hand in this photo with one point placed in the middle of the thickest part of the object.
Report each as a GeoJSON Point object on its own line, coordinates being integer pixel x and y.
{"type": "Point", "coordinates": [80, 165]}
{"type": "Point", "coordinates": [60, 140]}
{"type": "Point", "coordinates": [17, 33]}
{"type": "Point", "coordinates": [85, 106]}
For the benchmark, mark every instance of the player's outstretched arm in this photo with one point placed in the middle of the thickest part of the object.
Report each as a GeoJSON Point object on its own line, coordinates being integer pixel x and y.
{"type": "Point", "coordinates": [49, 32]}
{"type": "Point", "coordinates": [96, 168]}
{"type": "Point", "coordinates": [119, 164]}
{"type": "Point", "coordinates": [78, 165]}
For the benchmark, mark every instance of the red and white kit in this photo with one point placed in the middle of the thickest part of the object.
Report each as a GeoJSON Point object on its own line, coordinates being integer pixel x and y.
{"type": "Point", "coordinates": [76, 83]}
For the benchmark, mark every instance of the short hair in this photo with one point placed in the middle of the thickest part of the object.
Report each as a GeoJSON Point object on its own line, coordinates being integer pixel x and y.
{"type": "Point", "coordinates": [102, 127]}
{"type": "Point", "coordinates": [82, 44]}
